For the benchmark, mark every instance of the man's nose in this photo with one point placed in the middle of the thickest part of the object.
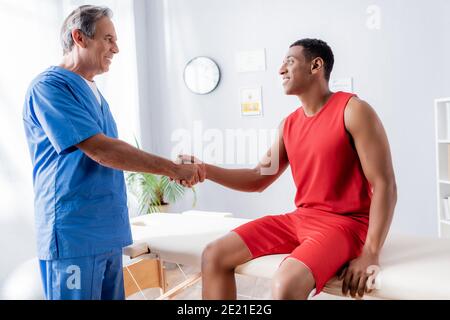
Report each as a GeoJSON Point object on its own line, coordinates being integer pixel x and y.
{"type": "Point", "coordinates": [115, 48]}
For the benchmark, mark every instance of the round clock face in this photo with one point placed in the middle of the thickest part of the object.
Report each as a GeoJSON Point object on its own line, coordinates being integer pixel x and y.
{"type": "Point", "coordinates": [201, 75]}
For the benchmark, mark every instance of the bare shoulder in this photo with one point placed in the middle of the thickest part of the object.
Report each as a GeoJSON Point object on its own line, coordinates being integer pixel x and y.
{"type": "Point", "coordinates": [358, 113]}
{"type": "Point", "coordinates": [358, 106]}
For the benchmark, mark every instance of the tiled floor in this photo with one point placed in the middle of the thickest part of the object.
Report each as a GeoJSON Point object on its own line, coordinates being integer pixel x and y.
{"type": "Point", "coordinates": [247, 287]}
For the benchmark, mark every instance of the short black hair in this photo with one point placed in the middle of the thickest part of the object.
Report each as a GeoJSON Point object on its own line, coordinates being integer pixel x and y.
{"type": "Point", "coordinates": [315, 48]}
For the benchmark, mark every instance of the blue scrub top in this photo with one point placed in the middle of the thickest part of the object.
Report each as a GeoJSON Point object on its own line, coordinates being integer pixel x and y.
{"type": "Point", "coordinates": [80, 205]}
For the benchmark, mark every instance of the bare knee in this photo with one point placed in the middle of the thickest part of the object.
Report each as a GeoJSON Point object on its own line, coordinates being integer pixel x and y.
{"type": "Point", "coordinates": [213, 257]}
{"type": "Point", "coordinates": [225, 254]}
{"type": "Point", "coordinates": [289, 284]}
{"type": "Point", "coordinates": [285, 289]}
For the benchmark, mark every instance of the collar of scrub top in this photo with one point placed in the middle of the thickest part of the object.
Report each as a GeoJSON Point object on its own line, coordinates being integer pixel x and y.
{"type": "Point", "coordinates": [100, 103]}
{"type": "Point", "coordinates": [79, 79]}
{"type": "Point", "coordinates": [84, 87]}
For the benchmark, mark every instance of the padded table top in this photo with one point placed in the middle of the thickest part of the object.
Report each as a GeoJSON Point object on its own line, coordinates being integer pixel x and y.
{"type": "Point", "coordinates": [411, 267]}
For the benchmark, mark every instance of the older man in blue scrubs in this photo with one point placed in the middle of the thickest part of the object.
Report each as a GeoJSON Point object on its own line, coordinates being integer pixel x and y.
{"type": "Point", "coordinates": [80, 198]}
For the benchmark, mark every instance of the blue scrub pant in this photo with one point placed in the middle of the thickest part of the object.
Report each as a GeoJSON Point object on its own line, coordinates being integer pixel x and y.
{"type": "Point", "coordinates": [98, 277]}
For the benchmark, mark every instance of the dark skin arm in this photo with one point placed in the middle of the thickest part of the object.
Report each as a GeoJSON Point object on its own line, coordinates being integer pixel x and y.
{"type": "Point", "coordinates": [117, 154]}
{"type": "Point", "coordinates": [373, 149]}
{"type": "Point", "coordinates": [271, 166]}
{"type": "Point", "coordinates": [374, 153]}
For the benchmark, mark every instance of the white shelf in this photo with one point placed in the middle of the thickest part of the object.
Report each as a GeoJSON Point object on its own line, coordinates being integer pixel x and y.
{"type": "Point", "coordinates": [442, 100]}
{"type": "Point", "coordinates": [442, 136]}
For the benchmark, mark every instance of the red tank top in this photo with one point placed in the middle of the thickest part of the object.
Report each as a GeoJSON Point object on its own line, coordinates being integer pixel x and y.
{"type": "Point", "coordinates": [326, 168]}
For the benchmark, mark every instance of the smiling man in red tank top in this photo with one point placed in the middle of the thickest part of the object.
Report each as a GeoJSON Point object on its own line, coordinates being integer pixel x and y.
{"type": "Point", "coordinates": [340, 160]}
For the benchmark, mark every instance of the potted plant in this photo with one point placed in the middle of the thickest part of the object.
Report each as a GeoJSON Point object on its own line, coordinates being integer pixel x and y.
{"type": "Point", "coordinates": [155, 193]}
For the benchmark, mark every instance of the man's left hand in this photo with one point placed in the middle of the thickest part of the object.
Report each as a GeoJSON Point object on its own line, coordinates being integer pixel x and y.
{"type": "Point", "coordinates": [355, 275]}
{"type": "Point", "coordinates": [185, 160]}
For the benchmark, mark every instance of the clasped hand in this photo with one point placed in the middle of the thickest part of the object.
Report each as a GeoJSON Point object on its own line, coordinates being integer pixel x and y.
{"type": "Point", "coordinates": [190, 171]}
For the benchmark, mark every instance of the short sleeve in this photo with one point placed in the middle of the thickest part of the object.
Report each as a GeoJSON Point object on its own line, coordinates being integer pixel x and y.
{"type": "Point", "coordinates": [64, 119]}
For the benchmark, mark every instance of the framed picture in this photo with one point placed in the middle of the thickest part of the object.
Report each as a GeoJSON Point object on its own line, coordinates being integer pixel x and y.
{"type": "Point", "coordinates": [251, 61]}
{"type": "Point", "coordinates": [342, 84]}
{"type": "Point", "coordinates": [251, 102]}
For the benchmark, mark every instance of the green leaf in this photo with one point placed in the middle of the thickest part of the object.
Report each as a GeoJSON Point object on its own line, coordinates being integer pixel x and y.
{"type": "Point", "coordinates": [172, 190]}
{"type": "Point", "coordinates": [137, 143]}
{"type": "Point", "coordinates": [152, 190]}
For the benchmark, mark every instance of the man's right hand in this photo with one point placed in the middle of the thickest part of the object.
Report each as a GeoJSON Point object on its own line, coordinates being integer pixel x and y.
{"type": "Point", "coordinates": [189, 174]}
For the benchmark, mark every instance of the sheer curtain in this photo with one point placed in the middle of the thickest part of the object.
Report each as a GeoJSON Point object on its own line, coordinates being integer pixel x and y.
{"type": "Point", "coordinates": [30, 44]}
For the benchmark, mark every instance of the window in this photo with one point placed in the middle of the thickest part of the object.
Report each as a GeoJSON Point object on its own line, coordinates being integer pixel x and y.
{"type": "Point", "coordinates": [30, 44]}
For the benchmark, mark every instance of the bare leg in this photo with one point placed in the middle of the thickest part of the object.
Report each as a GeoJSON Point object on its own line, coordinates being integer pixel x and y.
{"type": "Point", "coordinates": [293, 281]}
{"type": "Point", "coordinates": [219, 260]}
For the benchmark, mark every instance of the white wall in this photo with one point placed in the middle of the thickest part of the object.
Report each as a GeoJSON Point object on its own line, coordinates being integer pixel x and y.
{"type": "Point", "coordinates": [399, 69]}
{"type": "Point", "coordinates": [30, 44]}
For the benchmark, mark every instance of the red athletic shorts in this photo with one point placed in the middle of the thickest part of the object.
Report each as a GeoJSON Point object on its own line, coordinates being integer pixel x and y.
{"type": "Point", "coordinates": [323, 241]}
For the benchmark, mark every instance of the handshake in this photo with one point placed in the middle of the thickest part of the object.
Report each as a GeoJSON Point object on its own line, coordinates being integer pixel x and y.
{"type": "Point", "coordinates": [189, 171]}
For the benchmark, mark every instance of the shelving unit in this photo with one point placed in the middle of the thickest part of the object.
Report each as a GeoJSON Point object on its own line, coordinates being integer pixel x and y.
{"type": "Point", "coordinates": [442, 124]}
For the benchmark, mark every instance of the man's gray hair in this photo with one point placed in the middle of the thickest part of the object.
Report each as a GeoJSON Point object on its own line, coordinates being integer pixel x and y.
{"type": "Point", "coordinates": [83, 18]}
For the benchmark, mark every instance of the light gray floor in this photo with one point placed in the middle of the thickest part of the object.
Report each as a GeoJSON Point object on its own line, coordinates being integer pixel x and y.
{"type": "Point", "coordinates": [248, 288]}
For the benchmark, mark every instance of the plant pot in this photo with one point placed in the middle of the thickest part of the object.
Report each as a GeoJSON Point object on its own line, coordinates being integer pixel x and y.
{"type": "Point", "coordinates": [165, 208]}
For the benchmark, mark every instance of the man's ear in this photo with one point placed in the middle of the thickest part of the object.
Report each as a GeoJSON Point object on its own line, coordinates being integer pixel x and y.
{"type": "Point", "coordinates": [316, 65]}
{"type": "Point", "coordinates": [79, 38]}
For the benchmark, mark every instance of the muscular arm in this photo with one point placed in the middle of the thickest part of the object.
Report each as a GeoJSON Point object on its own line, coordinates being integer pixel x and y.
{"type": "Point", "coordinates": [271, 166]}
{"type": "Point", "coordinates": [117, 154]}
{"type": "Point", "coordinates": [373, 150]}
{"type": "Point", "coordinates": [372, 146]}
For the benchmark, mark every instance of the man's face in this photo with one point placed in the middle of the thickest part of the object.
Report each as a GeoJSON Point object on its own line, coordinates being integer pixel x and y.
{"type": "Point", "coordinates": [102, 47]}
{"type": "Point", "coordinates": [295, 71]}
